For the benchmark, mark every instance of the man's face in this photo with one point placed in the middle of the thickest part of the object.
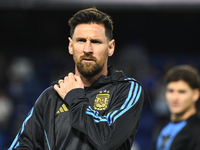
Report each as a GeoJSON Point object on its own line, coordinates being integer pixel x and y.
{"type": "Point", "coordinates": [180, 97]}
{"type": "Point", "coordinates": [90, 49]}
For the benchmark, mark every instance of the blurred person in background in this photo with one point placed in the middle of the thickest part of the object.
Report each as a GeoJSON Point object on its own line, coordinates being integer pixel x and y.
{"type": "Point", "coordinates": [182, 131]}
{"type": "Point", "coordinates": [6, 111]}
{"type": "Point", "coordinates": [94, 107]}
{"type": "Point", "coordinates": [23, 87]}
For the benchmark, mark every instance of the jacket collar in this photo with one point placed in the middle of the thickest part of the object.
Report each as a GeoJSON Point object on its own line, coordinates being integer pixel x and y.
{"type": "Point", "coordinates": [113, 75]}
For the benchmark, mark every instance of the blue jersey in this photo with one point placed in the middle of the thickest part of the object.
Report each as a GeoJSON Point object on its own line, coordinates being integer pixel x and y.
{"type": "Point", "coordinates": [183, 135]}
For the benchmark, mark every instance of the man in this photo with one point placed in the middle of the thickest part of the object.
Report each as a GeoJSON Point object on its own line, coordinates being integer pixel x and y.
{"type": "Point", "coordinates": [182, 93]}
{"type": "Point", "coordinates": [95, 107]}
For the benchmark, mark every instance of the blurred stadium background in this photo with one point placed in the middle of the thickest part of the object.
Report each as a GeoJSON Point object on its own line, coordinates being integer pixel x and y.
{"type": "Point", "coordinates": [151, 37]}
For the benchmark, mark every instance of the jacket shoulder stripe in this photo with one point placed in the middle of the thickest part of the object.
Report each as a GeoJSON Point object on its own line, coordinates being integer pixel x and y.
{"type": "Point", "coordinates": [138, 95]}
{"type": "Point", "coordinates": [125, 103]}
{"type": "Point", "coordinates": [129, 100]}
{"type": "Point", "coordinates": [134, 95]}
{"type": "Point", "coordinates": [127, 108]}
{"type": "Point", "coordinates": [129, 96]}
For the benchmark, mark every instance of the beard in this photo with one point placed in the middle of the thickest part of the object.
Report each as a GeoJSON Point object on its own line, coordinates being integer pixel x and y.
{"type": "Point", "coordinates": [89, 69]}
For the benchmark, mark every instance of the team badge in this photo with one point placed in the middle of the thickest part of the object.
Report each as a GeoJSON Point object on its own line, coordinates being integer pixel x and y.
{"type": "Point", "coordinates": [101, 101]}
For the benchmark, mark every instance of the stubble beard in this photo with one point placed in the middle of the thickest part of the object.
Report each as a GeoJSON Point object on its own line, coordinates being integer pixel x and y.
{"type": "Point", "coordinates": [89, 70]}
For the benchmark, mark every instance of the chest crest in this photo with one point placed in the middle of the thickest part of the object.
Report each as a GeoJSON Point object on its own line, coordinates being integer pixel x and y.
{"type": "Point", "coordinates": [101, 101]}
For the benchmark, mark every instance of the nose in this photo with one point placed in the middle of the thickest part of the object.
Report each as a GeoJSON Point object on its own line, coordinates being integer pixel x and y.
{"type": "Point", "coordinates": [175, 96]}
{"type": "Point", "coordinates": [87, 47]}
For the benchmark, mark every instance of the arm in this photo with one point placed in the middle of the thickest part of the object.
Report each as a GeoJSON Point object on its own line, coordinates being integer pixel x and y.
{"type": "Point", "coordinates": [111, 130]}
{"type": "Point", "coordinates": [107, 131]}
{"type": "Point", "coordinates": [31, 134]}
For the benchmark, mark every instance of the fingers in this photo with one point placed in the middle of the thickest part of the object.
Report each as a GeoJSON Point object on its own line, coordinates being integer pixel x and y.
{"type": "Point", "coordinates": [71, 76]}
{"type": "Point", "coordinates": [69, 80]}
{"type": "Point", "coordinates": [56, 87]}
{"type": "Point", "coordinates": [60, 81]}
{"type": "Point", "coordinates": [66, 80]}
{"type": "Point", "coordinates": [66, 85]}
{"type": "Point", "coordinates": [59, 91]}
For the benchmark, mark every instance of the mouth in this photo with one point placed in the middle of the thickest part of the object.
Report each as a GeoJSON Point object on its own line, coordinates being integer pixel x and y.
{"type": "Point", "coordinates": [87, 60]}
{"type": "Point", "coordinates": [174, 105]}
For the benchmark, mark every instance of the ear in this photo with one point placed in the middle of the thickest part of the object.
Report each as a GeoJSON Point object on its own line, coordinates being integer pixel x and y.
{"type": "Point", "coordinates": [111, 47]}
{"type": "Point", "coordinates": [70, 46]}
{"type": "Point", "coordinates": [196, 94]}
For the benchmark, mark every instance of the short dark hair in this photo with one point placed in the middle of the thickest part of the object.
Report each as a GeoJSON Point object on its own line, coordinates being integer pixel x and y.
{"type": "Point", "coordinates": [92, 15]}
{"type": "Point", "coordinates": [186, 73]}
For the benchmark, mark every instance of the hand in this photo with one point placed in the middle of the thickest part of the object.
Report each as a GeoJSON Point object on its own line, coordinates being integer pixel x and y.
{"type": "Point", "coordinates": [69, 83]}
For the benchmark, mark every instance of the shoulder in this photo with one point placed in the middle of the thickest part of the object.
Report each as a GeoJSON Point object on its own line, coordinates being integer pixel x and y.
{"type": "Point", "coordinates": [134, 92]}
{"type": "Point", "coordinates": [193, 124]}
{"type": "Point", "coordinates": [48, 94]}
{"type": "Point", "coordinates": [194, 119]}
{"type": "Point", "coordinates": [130, 86]}
{"type": "Point", "coordinates": [49, 91]}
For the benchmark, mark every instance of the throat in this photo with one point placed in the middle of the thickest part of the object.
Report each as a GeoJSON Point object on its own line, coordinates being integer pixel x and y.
{"type": "Point", "coordinates": [88, 82]}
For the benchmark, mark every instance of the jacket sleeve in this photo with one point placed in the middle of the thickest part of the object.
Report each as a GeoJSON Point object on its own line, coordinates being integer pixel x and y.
{"type": "Point", "coordinates": [111, 130]}
{"type": "Point", "coordinates": [31, 134]}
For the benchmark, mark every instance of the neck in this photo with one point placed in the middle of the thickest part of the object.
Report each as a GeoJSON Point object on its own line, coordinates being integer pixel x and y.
{"type": "Point", "coordinates": [183, 116]}
{"type": "Point", "coordinates": [89, 81]}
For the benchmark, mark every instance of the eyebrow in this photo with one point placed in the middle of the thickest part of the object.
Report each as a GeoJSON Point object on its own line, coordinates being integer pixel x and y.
{"type": "Point", "coordinates": [92, 39]}
{"type": "Point", "coordinates": [182, 90]}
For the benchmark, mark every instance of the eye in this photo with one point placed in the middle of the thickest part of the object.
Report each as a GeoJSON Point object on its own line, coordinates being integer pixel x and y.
{"type": "Point", "coordinates": [182, 91]}
{"type": "Point", "coordinates": [169, 91]}
{"type": "Point", "coordinates": [96, 41]}
{"type": "Point", "coordinates": [81, 40]}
